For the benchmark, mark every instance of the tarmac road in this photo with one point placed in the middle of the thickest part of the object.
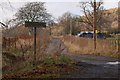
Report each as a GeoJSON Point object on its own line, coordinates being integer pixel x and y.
{"type": "Point", "coordinates": [95, 66]}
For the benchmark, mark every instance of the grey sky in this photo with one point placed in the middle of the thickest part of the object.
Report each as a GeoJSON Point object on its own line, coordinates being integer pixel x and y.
{"type": "Point", "coordinates": [55, 7]}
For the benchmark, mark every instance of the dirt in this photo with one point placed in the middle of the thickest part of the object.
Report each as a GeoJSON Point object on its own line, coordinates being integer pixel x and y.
{"type": "Point", "coordinates": [56, 46]}
{"type": "Point", "coordinates": [44, 69]}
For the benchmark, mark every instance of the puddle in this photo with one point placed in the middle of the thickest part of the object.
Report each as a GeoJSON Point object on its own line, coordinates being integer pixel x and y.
{"type": "Point", "coordinates": [113, 63]}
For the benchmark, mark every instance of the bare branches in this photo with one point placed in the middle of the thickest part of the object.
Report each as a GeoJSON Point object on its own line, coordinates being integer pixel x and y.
{"type": "Point", "coordinates": [87, 9]}
{"type": "Point", "coordinates": [34, 11]}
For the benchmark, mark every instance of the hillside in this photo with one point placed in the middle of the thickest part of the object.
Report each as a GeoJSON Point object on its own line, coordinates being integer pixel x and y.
{"type": "Point", "coordinates": [112, 15]}
{"type": "Point", "coordinates": [110, 20]}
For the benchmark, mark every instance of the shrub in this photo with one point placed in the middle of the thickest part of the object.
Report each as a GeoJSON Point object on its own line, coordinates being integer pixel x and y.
{"type": "Point", "coordinates": [64, 59]}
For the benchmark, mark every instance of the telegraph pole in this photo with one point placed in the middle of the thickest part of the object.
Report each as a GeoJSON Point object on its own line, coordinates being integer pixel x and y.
{"type": "Point", "coordinates": [94, 25]}
{"type": "Point", "coordinates": [70, 27]}
{"type": "Point", "coordinates": [70, 30]}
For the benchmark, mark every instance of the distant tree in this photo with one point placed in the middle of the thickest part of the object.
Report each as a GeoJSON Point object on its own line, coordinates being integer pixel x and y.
{"type": "Point", "coordinates": [64, 21]}
{"type": "Point", "coordinates": [33, 11]}
{"type": "Point", "coordinates": [68, 21]}
{"type": "Point", "coordinates": [13, 22]}
{"type": "Point", "coordinates": [87, 9]}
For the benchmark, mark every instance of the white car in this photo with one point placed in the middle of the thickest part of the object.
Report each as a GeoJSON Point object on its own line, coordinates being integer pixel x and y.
{"type": "Point", "coordinates": [81, 32]}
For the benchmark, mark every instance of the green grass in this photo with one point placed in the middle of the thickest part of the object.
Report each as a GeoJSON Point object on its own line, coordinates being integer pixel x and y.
{"type": "Point", "coordinates": [64, 59]}
{"type": "Point", "coordinates": [61, 59]}
{"type": "Point", "coordinates": [17, 52]}
{"type": "Point", "coordinates": [6, 59]}
{"type": "Point", "coordinates": [89, 58]}
{"type": "Point", "coordinates": [48, 59]}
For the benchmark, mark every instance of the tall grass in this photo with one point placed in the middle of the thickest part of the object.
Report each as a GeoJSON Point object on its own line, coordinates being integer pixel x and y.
{"type": "Point", "coordinates": [86, 46]}
{"type": "Point", "coordinates": [24, 43]}
{"type": "Point", "coordinates": [24, 48]}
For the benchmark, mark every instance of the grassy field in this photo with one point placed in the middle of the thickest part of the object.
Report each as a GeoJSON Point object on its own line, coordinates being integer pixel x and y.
{"type": "Point", "coordinates": [81, 45]}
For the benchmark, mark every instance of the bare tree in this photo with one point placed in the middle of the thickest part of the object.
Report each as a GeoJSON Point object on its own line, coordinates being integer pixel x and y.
{"type": "Point", "coordinates": [69, 22]}
{"type": "Point", "coordinates": [87, 9]}
{"type": "Point", "coordinates": [64, 21]}
{"type": "Point", "coordinates": [33, 11]}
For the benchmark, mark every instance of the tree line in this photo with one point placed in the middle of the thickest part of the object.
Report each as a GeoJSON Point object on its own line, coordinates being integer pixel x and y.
{"type": "Point", "coordinates": [36, 12]}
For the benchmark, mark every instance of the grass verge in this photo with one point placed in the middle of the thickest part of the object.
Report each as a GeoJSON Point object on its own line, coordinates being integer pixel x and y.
{"type": "Point", "coordinates": [81, 45]}
{"type": "Point", "coordinates": [48, 66]}
{"type": "Point", "coordinates": [89, 58]}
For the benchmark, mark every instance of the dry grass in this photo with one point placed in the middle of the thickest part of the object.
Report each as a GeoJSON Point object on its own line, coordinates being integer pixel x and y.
{"type": "Point", "coordinates": [47, 66]}
{"type": "Point", "coordinates": [86, 46]}
{"type": "Point", "coordinates": [25, 43]}
{"type": "Point", "coordinates": [24, 48]}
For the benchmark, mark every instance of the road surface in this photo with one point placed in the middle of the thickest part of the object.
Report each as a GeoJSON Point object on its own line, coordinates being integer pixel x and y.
{"type": "Point", "coordinates": [96, 66]}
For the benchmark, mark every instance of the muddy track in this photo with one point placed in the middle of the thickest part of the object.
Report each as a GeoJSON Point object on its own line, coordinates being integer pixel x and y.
{"type": "Point", "coordinates": [94, 66]}
{"type": "Point", "coordinates": [56, 46]}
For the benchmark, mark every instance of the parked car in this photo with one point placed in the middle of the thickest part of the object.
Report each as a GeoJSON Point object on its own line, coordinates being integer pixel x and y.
{"type": "Point", "coordinates": [89, 34]}
{"type": "Point", "coordinates": [101, 35]}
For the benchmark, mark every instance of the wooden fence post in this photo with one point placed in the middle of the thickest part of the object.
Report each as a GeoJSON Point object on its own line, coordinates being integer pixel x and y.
{"type": "Point", "coordinates": [4, 44]}
{"type": "Point", "coordinates": [15, 42]}
{"type": "Point", "coordinates": [118, 43]}
{"type": "Point", "coordinates": [9, 44]}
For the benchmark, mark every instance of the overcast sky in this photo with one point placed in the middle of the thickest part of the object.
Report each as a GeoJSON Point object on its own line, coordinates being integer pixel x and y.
{"type": "Point", "coordinates": [55, 7]}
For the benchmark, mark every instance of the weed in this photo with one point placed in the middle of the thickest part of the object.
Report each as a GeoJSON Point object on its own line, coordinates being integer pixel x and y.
{"type": "Point", "coordinates": [64, 59]}
{"type": "Point", "coordinates": [48, 59]}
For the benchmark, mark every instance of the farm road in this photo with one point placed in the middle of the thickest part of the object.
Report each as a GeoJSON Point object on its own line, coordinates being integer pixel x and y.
{"type": "Point", "coordinates": [94, 67]}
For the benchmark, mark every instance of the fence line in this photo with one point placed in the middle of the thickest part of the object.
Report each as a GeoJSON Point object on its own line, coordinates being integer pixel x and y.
{"type": "Point", "coordinates": [115, 42]}
{"type": "Point", "coordinates": [9, 42]}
